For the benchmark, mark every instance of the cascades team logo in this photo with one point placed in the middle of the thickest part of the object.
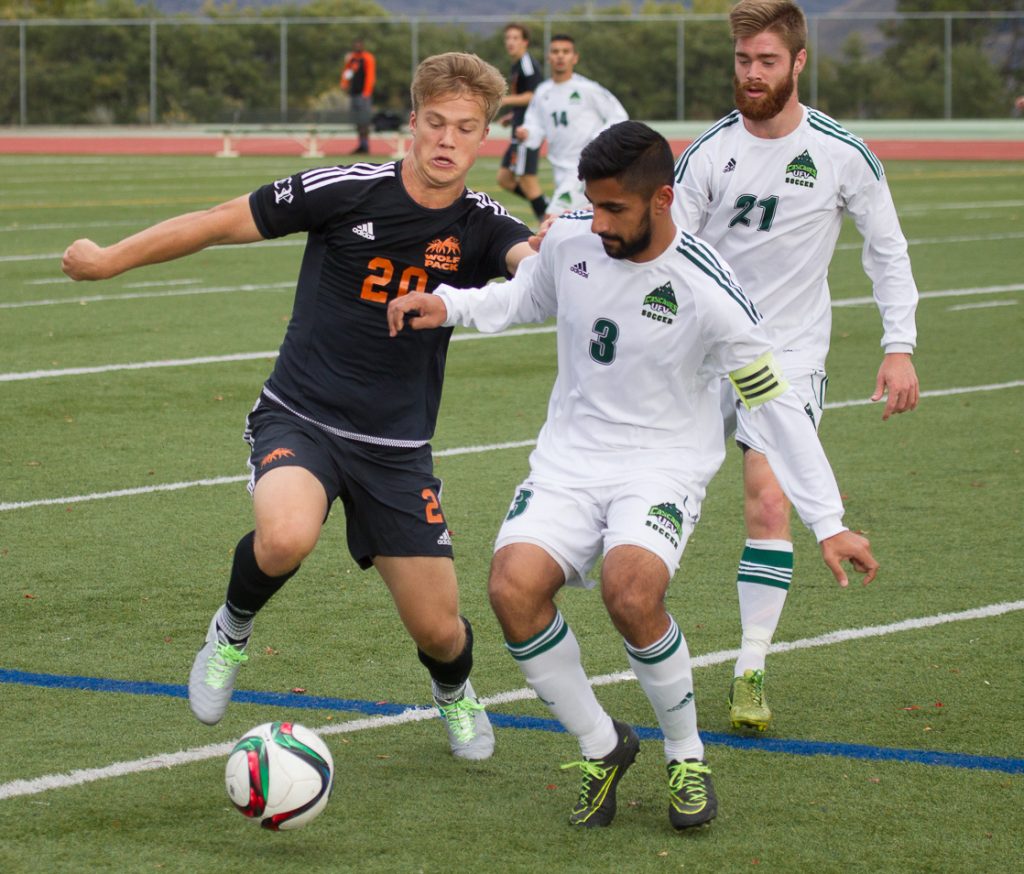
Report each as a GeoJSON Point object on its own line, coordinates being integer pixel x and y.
{"type": "Point", "coordinates": [801, 171]}
{"type": "Point", "coordinates": [661, 304]}
{"type": "Point", "coordinates": [575, 97]}
{"type": "Point", "coordinates": [443, 254]}
{"type": "Point", "coordinates": [667, 520]}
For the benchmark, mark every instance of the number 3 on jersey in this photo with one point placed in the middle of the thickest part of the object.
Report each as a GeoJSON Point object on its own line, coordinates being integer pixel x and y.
{"type": "Point", "coordinates": [377, 282]}
{"type": "Point", "coordinates": [602, 347]}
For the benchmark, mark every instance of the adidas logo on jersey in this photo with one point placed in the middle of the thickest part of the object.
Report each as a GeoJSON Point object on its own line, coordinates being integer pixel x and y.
{"type": "Point", "coordinates": [364, 230]}
{"type": "Point", "coordinates": [445, 539]}
{"type": "Point", "coordinates": [580, 269]}
{"type": "Point", "coordinates": [728, 168]}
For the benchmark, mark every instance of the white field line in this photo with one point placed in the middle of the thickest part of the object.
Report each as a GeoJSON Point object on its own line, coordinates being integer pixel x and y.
{"type": "Point", "coordinates": [216, 359]}
{"type": "Point", "coordinates": [38, 785]}
{"type": "Point", "coordinates": [442, 453]}
{"type": "Point", "coordinates": [933, 295]}
{"type": "Point", "coordinates": [262, 244]}
{"type": "Point", "coordinates": [249, 356]}
{"type": "Point", "coordinates": [936, 241]}
{"type": "Point", "coordinates": [145, 295]}
{"type": "Point", "coordinates": [904, 210]}
{"type": "Point", "coordinates": [915, 241]}
{"type": "Point", "coordinates": [989, 304]}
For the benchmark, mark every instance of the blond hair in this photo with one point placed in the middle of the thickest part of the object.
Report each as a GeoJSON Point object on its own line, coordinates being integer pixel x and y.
{"type": "Point", "coordinates": [458, 74]}
{"type": "Point", "coordinates": [781, 17]}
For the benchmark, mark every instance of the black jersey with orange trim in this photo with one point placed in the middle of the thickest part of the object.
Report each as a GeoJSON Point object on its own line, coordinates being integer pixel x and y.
{"type": "Point", "coordinates": [369, 241]}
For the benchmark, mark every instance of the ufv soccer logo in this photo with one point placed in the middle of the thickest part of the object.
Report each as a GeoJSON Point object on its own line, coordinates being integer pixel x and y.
{"type": "Point", "coordinates": [801, 171]}
{"type": "Point", "coordinates": [667, 520]}
{"type": "Point", "coordinates": [661, 304]}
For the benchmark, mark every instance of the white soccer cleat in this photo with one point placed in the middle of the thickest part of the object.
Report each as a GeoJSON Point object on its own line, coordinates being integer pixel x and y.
{"type": "Point", "coordinates": [212, 679]}
{"type": "Point", "coordinates": [469, 730]}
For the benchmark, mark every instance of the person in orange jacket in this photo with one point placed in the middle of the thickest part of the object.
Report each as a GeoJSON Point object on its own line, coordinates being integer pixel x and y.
{"type": "Point", "coordinates": [358, 75]}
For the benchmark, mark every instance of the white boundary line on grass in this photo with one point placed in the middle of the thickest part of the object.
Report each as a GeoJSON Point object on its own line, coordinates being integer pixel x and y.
{"type": "Point", "coordinates": [230, 289]}
{"type": "Point", "coordinates": [38, 785]}
{"type": "Point", "coordinates": [217, 359]}
{"type": "Point", "coordinates": [441, 453]}
{"type": "Point", "coordinates": [269, 244]}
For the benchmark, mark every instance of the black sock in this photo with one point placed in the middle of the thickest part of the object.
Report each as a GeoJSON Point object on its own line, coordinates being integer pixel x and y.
{"type": "Point", "coordinates": [249, 588]}
{"type": "Point", "coordinates": [519, 190]}
{"type": "Point", "coordinates": [540, 206]}
{"type": "Point", "coordinates": [450, 676]}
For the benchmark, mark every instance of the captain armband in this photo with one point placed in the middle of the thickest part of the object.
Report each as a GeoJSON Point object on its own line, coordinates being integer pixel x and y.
{"type": "Point", "coordinates": [759, 381]}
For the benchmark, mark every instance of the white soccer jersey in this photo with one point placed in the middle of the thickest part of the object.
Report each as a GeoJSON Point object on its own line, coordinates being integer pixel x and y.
{"type": "Point", "coordinates": [569, 115]}
{"type": "Point", "coordinates": [639, 347]}
{"type": "Point", "coordinates": [773, 208]}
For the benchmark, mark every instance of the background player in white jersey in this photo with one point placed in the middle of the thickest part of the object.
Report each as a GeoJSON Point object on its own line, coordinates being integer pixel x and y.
{"type": "Point", "coordinates": [768, 186]}
{"type": "Point", "coordinates": [649, 318]}
{"type": "Point", "coordinates": [518, 170]}
{"type": "Point", "coordinates": [325, 426]}
{"type": "Point", "coordinates": [568, 110]}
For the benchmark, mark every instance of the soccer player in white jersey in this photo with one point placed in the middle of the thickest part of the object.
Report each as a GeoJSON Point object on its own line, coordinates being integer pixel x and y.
{"type": "Point", "coordinates": [768, 186]}
{"type": "Point", "coordinates": [568, 110]}
{"type": "Point", "coordinates": [648, 319]}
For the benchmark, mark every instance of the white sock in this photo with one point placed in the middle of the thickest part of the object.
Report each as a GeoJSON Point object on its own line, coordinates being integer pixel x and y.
{"type": "Point", "coordinates": [666, 676]}
{"type": "Point", "coordinates": [762, 582]}
{"type": "Point", "coordinates": [550, 661]}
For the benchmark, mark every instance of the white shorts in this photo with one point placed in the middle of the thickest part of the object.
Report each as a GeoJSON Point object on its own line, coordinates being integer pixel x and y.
{"type": "Point", "coordinates": [568, 196]}
{"type": "Point", "coordinates": [810, 388]}
{"type": "Point", "coordinates": [575, 526]}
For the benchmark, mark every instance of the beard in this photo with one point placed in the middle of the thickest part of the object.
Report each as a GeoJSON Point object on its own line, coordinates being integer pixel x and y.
{"type": "Point", "coordinates": [769, 105]}
{"type": "Point", "coordinates": [620, 248]}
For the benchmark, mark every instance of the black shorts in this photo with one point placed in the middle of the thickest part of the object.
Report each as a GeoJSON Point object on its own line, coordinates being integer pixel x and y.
{"type": "Point", "coordinates": [520, 160]}
{"type": "Point", "coordinates": [391, 497]}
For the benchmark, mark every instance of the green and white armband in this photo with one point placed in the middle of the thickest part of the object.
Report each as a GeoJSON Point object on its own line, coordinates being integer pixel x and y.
{"type": "Point", "coordinates": [759, 381]}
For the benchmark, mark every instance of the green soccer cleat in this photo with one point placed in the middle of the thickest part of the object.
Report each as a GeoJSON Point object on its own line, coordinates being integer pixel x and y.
{"type": "Point", "coordinates": [691, 797]}
{"type": "Point", "coordinates": [470, 735]}
{"type": "Point", "coordinates": [596, 804]}
{"type": "Point", "coordinates": [748, 705]}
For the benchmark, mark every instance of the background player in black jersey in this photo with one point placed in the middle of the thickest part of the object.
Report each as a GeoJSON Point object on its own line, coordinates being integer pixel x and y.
{"type": "Point", "coordinates": [325, 425]}
{"type": "Point", "coordinates": [518, 170]}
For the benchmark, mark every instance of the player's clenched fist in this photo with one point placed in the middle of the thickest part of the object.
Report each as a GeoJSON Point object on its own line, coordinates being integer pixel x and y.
{"type": "Point", "coordinates": [83, 259]}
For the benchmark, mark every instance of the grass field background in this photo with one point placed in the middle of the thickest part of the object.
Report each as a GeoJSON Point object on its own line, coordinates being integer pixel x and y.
{"type": "Point", "coordinates": [898, 750]}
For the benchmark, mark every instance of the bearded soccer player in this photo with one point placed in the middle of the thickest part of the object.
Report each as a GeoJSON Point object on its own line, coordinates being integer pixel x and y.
{"type": "Point", "coordinates": [347, 413]}
{"type": "Point", "coordinates": [648, 317]}
{"type": "Point", "coordinates": [768, 186]}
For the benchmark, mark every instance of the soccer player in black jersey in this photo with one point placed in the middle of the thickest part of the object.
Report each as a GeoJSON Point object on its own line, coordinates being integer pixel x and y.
{"type": "Point", "coordinates": [346, 412]}
{"type": "Point", "coordinates": [518, 170]}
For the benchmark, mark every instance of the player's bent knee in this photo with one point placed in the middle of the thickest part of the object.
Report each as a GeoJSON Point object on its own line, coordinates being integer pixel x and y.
{"type": "Point", "coordinates": [283, 548]}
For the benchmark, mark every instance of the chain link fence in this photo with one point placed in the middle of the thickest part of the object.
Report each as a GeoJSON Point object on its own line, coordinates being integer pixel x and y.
{"type": "Point", "coordinates": [273, 71]}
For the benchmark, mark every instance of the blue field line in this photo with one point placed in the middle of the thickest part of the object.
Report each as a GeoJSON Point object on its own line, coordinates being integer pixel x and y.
{"type": "Point", "coordinates": [503, 720]}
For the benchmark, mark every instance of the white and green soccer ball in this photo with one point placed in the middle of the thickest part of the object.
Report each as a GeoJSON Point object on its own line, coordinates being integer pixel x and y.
{"type": "Point", "coordinates": [280, 774]}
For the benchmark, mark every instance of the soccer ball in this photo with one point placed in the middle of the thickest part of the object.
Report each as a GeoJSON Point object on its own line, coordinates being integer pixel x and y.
{"type": "Point", "coordinates": [280, 774]}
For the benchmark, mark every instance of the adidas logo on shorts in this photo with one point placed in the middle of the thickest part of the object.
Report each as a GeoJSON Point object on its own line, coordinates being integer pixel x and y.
{"type": "Point", "coordinates": [445, 539]}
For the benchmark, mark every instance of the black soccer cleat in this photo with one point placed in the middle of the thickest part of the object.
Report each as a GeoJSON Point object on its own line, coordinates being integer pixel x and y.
{"type": "Point", "coordinates": [692, 800]}
{"type": "Point", "coordinates": [596, 803]}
